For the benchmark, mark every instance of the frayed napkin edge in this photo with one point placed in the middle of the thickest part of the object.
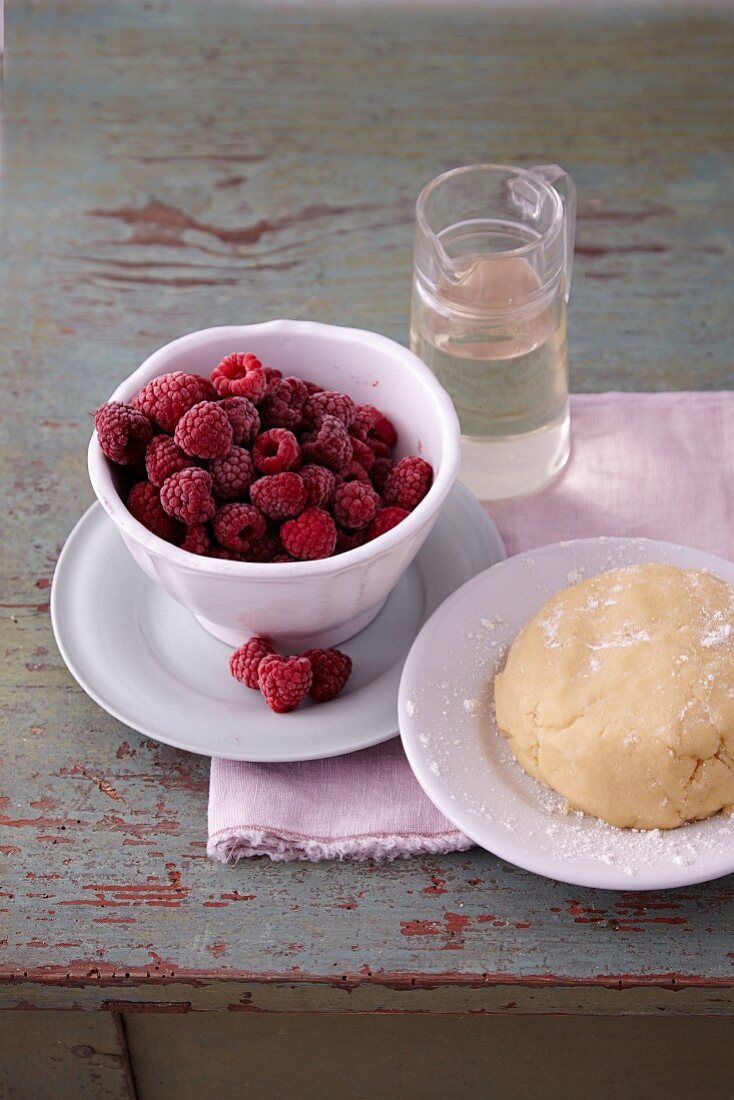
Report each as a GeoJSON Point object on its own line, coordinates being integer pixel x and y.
{"type": "Point", "coordinates": [238, 844]}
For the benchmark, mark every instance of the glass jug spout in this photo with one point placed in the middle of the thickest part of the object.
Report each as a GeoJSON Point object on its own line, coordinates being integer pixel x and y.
{"type": "Point", "coordinates": [566, 188]}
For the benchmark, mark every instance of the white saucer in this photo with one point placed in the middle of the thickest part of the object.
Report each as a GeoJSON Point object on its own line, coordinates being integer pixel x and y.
{"type": "Point", "coordinates": [146, 660]}
{"type": "Point", "coordinates": [467, 768]}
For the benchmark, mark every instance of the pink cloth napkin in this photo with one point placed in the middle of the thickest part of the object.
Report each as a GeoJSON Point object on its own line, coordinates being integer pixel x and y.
{"type": "Point", "coordinates": [654, 465]}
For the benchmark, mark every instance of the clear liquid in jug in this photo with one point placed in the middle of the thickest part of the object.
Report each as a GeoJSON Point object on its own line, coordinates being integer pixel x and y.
{"type": "Point", "coordinates": [497, 343]}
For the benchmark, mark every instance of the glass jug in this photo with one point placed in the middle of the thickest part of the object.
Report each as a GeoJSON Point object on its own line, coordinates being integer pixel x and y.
{"type": "Point", "coordinates": [492, 272]}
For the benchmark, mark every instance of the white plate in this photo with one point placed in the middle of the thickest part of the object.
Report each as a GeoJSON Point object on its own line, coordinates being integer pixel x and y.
{"type": "Point", "coordinates": [467, 768]}
{"type": "Point", "coordinates": [147, 661]}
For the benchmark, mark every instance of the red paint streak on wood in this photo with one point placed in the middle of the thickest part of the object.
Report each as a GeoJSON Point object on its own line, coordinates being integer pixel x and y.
{"type": "Point", "coordinates": [438, 886]}
{"type": "Point", "coordinates": [42, 822]}
{"type": "Point", "coordinates": [215, 904]}
{"type": "Point", "coordinates": [154, 892]}
{"type": "Point", "coordinates": [453, 925]}
{"type": "Point", "coordinates": [217, 949]}
{"type": "Point", "coordinates": [161, 224]}
{"type": "Point", "coordinates": [36, 943]}
{"type": "Point", "coordinates": [55, 839]}
{"type": "Point", "coordinates": [238, 897]}
{"type": "Point", "coordinates": [33, 875]}
{"type": "Point", "coordinates": [179, 776]}
{"type": "Point", "coordinates": [125, 750]}
{"type": "Point", "coordinates": [231, 181]}
{"type": "Point", "coordinates": [420, 928]}
{"type": "Point", "coordinates": [139, 829]}
{"type": "Point", "coordinates": [456, 924]}
{"type": "Point", "coordinates": [180, 281]}
{"type": "Point", "coordinates": [43, 582]}
{"type": "Point", "coordinates": [347, 905]}
{"type": "Point", "coordinates": [485, 918]}
{"type": "Point", "coordinates": [80, 972]}
{"type": "Point", "coordinates": [522, 924]}
{"type": "Point", "coordinates": [37, 730]}
{"type": "Point", "coordinates": [44, 804]}
{"type": "Point", "coordinates": [25, 606]}
{"type": "Point", "coordinates": [595, 251]}
{"type": "Point", "coordinates": [10, 850]}
{"type": "Point", "coordinates": [585, 915]}
{"type": "Point", "coordinates": [114, 920]}
{"type": "Point", "coordinates": [103, 784]}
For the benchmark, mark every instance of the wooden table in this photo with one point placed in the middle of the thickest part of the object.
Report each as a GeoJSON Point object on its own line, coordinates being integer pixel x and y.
{"type": "Point", "coordinates": [169, 166]}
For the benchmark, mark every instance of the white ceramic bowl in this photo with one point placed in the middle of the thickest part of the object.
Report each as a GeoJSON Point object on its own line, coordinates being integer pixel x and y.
{"type": "Point", "coordinates": [312, 603]}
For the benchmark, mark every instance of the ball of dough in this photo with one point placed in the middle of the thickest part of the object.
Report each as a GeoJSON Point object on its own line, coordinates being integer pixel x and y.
{"type": "Point", "coordinates": [619, 695]}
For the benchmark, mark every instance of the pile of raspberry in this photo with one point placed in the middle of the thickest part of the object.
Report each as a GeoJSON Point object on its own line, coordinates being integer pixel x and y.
{"type": "Point", "coordinates": [249, 465]}
{"type": "Point", "coordinates": [286, 681]}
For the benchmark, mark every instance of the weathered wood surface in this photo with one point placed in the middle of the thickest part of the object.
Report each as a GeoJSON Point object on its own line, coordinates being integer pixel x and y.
{"type": "Point", "coordinates": [169, 166]}
{"type": "Point", "coordinates": [165, 1056]}
{"type": "Point", "coordinates": [47, 1055]}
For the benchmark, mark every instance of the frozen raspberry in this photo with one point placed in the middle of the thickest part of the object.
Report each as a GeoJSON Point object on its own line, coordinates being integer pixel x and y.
{"type": "Point", "coordinates": [355, 504]}
{"type": "Point", "coordinates": [197, 539]}
{"type": "Point", "coordinates": [329, 403]}
{"type": "Point", "coordinates": [281, 558]}
{"type": "Point", "coordinates": [349, 540]}
{"type": "Point", "coordinates": [245, 661]}
{"type": "Point", "coordinates": [329, 445]}
{"type": "Point", "coordinates": [381, 467]}
{"type": "Point", "coordinates": [165, 399]}
{"type": "Point", "coordinates": [238, 526]}
{"type": "Point", "coordinates": [232, 475]}
{"type": "Point", "coordinates": [244, 418]}
{"type": "Point", "coordinates": [163, 458]}
{"type": "Point", "coordinates": [310, 536]}
{"type": "Point", "coordinates": [320, 484]}
{"type": "Point", "coordinates": [362, 454]}
{"type": "Point", "coordinates": [373, 427]}
{"type": "Point", "coordinates": [384, 521]}
{"type": "Point", "coordinates": [353, 471]}
{"type": "Point", "coordinates": [187, 495]}
{"type": "Point", "coordinates": [275, 451]}
{"type": "Point", "coordinates": [408, 482]}
{"type": "Point", "coordinates": [223, 554]}
{"type": "Point", "coordinates": [144, 503]}
{"type": "Point", "coordinates": [271, 376]}
{"type": "Point", "coordinates": [279, 496]}
{"type": "Point", "coordinates": [284, 681]}
{"type": "Point", "coordinates": [204, 431]}
{"type": "Point", "coordinates": [123, 432]}
{"type": "Point", "coordinates": [240, 376]}
{"type": "Point", "coordinates": [283, 404]}
{"type": "Point", "coordinates": [378, 448]}
{"type": "Point", "coordinates": [330, 671]}
{"type": "Point", "coordinates": [267, 548]}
